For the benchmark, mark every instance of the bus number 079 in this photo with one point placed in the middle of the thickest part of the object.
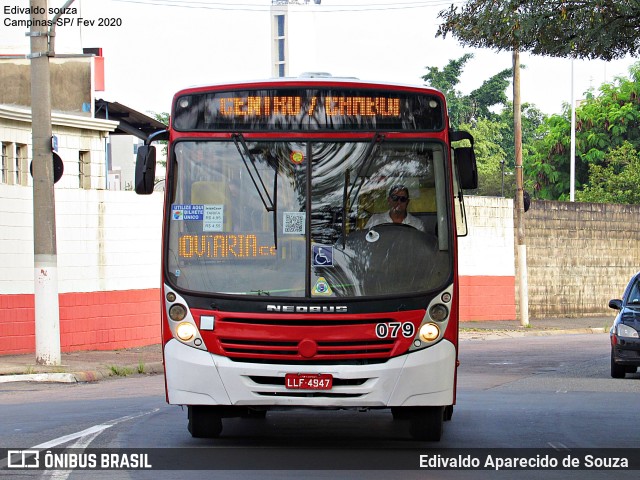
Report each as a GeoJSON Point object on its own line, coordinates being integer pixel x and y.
{"type": "Point", "coordinates": [393, 329]}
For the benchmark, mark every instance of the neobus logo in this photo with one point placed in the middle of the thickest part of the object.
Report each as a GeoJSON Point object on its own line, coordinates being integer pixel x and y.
{"type": "Point", "coordinates": [306, 309]}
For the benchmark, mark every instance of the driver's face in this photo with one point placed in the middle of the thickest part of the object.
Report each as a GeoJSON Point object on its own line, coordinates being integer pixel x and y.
{"type": "Point", "coordinates": [398, 200]}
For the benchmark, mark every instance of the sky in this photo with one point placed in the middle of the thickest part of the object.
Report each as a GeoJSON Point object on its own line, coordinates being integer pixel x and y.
{"type": "Point", "coordinates": [153, 48]}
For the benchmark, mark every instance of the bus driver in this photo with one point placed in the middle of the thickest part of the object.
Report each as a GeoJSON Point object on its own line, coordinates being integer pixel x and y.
{"type": "Point", "coordinates": [398, 200]}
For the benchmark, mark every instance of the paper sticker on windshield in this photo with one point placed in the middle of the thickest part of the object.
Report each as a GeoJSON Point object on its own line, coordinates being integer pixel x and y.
{"type": "Point", "coordinates": [213, 218]}
{"type": "Point", "coordinates": [293, 223]}
{"type": "Point", "coordinates": [322, 287]}
{"type": "Point", "coordinates": [187, 212]}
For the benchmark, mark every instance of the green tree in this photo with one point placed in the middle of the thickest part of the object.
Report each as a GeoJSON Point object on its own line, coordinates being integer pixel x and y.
{"type": "Point", "coordinates": [611, 118]}
{"type": "Point", "coordinates": [616, 180]}
{"type": "Point", "coordinates": [546, 168]}
{"type": "Point", "coordinates": [491, 93]}
{"type": "Point", "coordinates": [162, 118]}
{"type": "Point", "coordinates": [494, 147]}
{"type": "Point", "coordinates": [492, 131]}
{"type": "Point", "coordinates": [604, 29]}
{"type": "Point", "coordinates": [491, 157]}
{"type": "Point", "coordinates": [532, 119]}
{"type": "Point", "coordinates": [446, 80]}
{"type": "Point", "coordinates": [466, 108]}
{"type": "Point", "coordinates": [604, 122]}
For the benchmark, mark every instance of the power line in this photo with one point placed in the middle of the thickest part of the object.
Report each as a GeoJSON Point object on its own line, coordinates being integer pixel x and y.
{"type": "Point", "coordinates": [254, 7]}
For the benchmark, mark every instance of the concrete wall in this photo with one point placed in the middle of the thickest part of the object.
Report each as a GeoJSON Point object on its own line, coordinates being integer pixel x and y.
{"type": "Point", "coordinates": [486, 260]}
{"type": "Point", "coordinates": [71, 83]}
{"type": "Point", "coordinates": [579, 256]}
{"type": "Point", "coordinates": [108, 269]}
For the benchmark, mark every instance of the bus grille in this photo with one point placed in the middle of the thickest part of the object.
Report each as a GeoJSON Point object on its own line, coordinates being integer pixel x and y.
{"type": "Point", "coordinates": [325, 350]}
{"type": "Point", "coordinates": [307, 338]}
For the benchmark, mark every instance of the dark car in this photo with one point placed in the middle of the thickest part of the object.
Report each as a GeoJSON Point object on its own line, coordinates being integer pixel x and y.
{"type": "Point", "coordinates": [625, 344]}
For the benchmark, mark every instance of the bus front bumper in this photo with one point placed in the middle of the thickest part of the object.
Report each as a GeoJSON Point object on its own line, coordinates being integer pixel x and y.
{"type": "Point", "coordinates": [196, 377]}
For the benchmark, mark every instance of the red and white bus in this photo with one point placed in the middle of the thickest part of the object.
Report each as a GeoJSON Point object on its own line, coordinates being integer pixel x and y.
{"type": "Point", "coordinates": [279, 290]}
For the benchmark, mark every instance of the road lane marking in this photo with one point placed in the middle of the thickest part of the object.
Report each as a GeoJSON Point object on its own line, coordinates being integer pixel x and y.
{"type": "Point", "coordinates": [72, 436]}
{"type": "Point", "coordinates": [96, 428]}
{"type": "Point", "coordinates": [91, 433]}
{"type": "Point", "coordinates": [81, 443]}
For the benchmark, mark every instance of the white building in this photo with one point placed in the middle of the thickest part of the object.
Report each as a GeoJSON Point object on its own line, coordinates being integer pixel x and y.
{"type": "Point", "coordinates": [81, 145]}
{"type": "Point", "coordinates": [294, 37]}
{"type": "Point", "coordinates": [108, 243]}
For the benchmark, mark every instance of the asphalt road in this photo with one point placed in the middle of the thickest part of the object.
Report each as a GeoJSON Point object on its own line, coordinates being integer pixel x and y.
{"type": "Point", "coordinates": [531, 392]}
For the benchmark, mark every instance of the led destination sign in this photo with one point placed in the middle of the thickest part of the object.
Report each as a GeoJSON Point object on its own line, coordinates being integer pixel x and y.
{"type": "Point", "coordinates": [223, 246]}
{"type": "Point", "coordinates": [309, 109]}
{"type": "Point", "coordinates": [261, 106]}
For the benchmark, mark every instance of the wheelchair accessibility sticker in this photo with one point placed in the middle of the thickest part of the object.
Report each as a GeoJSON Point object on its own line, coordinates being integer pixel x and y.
{"type": "Point", "coordinates": [322, 255]}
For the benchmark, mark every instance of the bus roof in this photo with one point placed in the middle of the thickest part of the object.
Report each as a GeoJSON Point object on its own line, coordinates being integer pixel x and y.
{"type": "Point", "coordinates": [314, 78]}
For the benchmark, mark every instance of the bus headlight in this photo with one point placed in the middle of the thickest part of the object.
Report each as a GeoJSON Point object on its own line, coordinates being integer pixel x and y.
{"type": "Point", "coordinates": [177, 312]}
{"type": "Point", "coordinates": [429, 332]}
{"type": "Point", "coordinates": [180, 322]}
{"type": "Point", "coordinates": [185, 331]}
{"type": "Point", "coordinates": [439, 312]}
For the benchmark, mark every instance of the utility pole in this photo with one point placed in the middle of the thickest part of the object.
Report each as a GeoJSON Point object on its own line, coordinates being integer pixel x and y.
{"type": "Point", "coordinates": [519, 206]}
{"type": "Point", "coordinates": [572, 160]}
{"type": "Point", "coordinates": [47, 312]}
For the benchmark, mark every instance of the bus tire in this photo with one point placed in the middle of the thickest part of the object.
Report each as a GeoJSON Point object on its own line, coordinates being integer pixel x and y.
{"type": "Point", "coordinates": [254, 413]}
{"type": "Point", "coordinates": [427, 423]}
{"type": "Point", "coordinates": [448, 413]}
{"type": "Point", "coordinates": [400, 413]}
{"type": "Point", "coordinates": [204, 421]}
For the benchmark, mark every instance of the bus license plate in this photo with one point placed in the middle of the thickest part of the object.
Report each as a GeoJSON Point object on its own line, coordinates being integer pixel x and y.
{"type": "Point", "coordinates": [308, 381]}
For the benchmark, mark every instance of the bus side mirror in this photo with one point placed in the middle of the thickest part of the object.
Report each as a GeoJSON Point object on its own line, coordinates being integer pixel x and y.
{"type": "Point", "coordinates": [465, 159]}
{"type": "Point", "coordinates": [467, 168]}
{"type": "Point", "coordinates": [145, 169]}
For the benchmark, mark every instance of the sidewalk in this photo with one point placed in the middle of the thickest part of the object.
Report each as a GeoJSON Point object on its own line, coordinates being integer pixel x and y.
{"type": "Point", "coordinates": [97, 365]}
{"type": "Point", "coordinates": [537, 327]}
{"type": "Point", "coordinates": [87, 366]}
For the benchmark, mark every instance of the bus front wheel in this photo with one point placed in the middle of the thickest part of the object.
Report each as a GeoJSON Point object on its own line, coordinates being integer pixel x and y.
{"type": "Point", "coordinates": [426, 423]}
{"type": "Point", "coordinates": [204, 421]}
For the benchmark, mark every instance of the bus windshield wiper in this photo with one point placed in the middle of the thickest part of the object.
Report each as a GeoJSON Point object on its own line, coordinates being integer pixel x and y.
{"type": "Point", "coordinates": [269, 204]}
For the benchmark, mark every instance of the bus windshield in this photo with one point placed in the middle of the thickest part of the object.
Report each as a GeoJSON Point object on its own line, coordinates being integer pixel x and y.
{"type": "Point", "coordinates": [308, 219]}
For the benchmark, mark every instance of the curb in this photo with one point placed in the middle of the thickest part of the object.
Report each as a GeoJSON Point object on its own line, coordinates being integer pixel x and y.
{"type": "Point", "coordinates": [479, 334]}
{"type": "Point", "coordinates": [86, 376]}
